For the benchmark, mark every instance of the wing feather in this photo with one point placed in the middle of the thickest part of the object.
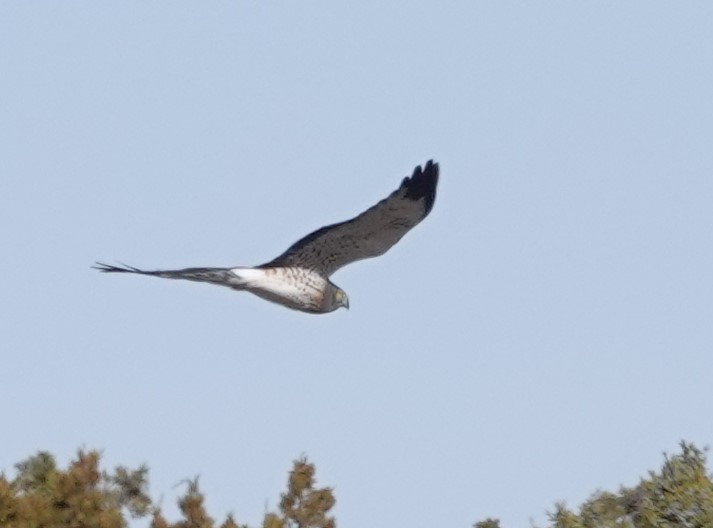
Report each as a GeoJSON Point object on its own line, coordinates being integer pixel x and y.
{"type": "Point", "coordinates": [371, 233]}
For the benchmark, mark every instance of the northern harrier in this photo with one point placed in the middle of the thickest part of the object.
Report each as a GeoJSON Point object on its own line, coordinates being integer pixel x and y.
{"type": "Point", "coordinates": [299, 278]}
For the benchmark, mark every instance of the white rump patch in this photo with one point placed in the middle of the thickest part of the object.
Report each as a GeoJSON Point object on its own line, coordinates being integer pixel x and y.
{"type": "Point", "coordinates": [249, 274]}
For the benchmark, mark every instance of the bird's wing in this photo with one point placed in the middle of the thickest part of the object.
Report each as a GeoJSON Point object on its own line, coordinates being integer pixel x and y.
{"type": "Point", "coordinates": [371, 233]}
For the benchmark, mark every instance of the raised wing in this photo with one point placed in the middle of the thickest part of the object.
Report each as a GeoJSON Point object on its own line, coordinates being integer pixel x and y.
{"type": "Point", "coordinates": [371, 233]}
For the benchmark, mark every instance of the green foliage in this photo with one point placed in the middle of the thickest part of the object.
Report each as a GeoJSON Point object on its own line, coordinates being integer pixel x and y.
{"type": "Point", "coordinates": [680, 495]}
{"type": "Point", "coordinates": [564, 518]}
{"type": "Point", "coordinates": [80, 496]}
{"type": "Point", "coordinates": [42, 496]}
{"type": "Point", "coordinates": [487, 523]}
{"type": "Point", "coordinates": [303, 506]}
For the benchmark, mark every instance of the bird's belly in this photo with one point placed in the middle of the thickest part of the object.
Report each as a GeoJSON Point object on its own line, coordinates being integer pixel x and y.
{"type": "Point", "coordinates": [295, 288]}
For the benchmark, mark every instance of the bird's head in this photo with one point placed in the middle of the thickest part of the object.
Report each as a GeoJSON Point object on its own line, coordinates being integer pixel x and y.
{"type": "Point", "coordinates": [340, 299]}
{"type": "Point", "coordinates": [336, 298]}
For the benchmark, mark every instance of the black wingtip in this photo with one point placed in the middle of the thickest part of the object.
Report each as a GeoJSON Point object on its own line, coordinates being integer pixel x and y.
{"type": "Point", "coordinates": [422, 184]}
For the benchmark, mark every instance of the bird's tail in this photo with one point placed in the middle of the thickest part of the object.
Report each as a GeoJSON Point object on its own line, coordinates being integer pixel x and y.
{"type": "Point", "coordinates": [221, 276]}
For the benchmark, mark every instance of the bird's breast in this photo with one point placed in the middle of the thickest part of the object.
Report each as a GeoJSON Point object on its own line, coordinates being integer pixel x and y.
{"type": "Point", "coordinates": [294, 287]}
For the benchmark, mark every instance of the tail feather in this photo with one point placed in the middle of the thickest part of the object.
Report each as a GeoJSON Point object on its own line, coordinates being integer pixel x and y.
{"type": "Point", "coordinates": [221, 276]}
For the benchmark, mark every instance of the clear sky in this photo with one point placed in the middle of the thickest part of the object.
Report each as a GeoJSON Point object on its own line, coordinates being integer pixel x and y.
{"type": "Point", "coordinates": [546, 331]}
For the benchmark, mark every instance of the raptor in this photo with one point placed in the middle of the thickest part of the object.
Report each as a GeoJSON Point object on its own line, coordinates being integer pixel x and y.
{"type": "Point", "coordinates": [299, 278]}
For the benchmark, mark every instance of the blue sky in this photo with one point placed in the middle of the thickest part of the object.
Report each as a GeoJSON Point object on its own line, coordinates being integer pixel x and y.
{"type": "Point", "coordinates": [544, 333]}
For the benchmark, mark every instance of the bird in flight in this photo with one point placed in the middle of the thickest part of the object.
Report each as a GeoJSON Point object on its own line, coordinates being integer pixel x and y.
{"type": "Point", "coordinates": [299, 278]}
